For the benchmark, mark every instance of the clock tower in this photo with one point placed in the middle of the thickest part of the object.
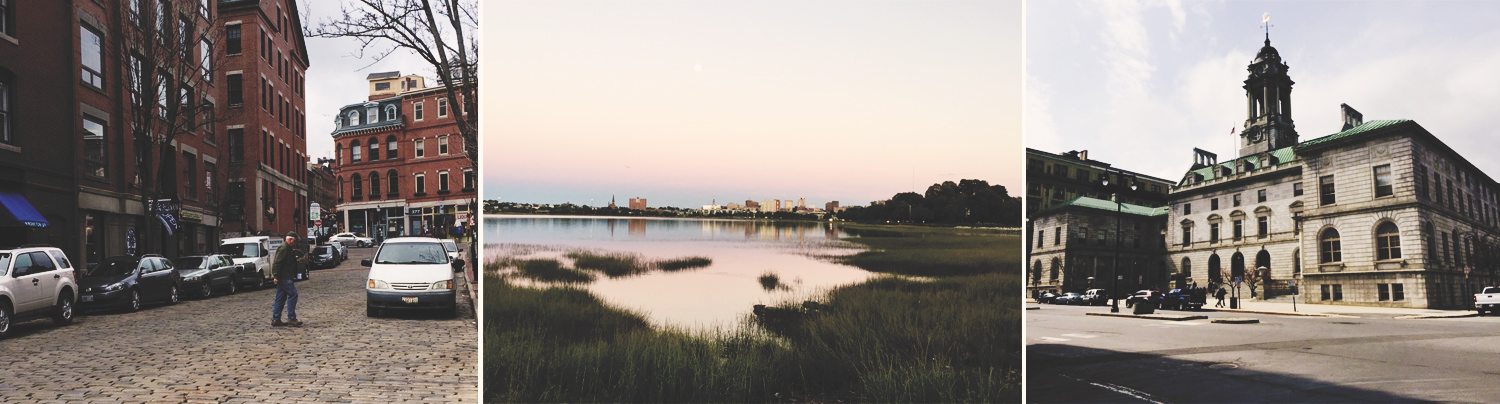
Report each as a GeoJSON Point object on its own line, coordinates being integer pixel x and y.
{"type": "Point", "coordinates": [1268, 93]}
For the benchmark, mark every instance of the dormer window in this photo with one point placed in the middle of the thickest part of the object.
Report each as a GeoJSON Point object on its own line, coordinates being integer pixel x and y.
{"type": "Point", "coordinates": [390, 112]}
{"type": "Point", "coordinates": [353, 118]}
{"type": "Point", "coordinates": [373, 114]}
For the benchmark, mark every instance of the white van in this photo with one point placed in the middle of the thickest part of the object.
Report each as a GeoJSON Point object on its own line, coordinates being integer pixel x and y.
{"type": "Point", "coordinates": [411, 273]}
{"type": "Point", "coordinates": [252, 252]}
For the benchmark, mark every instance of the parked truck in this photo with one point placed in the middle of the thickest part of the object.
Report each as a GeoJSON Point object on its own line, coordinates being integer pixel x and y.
{"type": "Point", "coordinates": [1487, 300]}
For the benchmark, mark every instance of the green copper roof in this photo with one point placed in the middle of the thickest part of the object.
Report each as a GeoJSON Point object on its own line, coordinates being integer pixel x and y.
{"type": "Point", "coordinates": [1282, 155]}
{"type": "Point", "coordinates": [1362, 128]}
{"type": "Point", "coordinates": [1087, 202]}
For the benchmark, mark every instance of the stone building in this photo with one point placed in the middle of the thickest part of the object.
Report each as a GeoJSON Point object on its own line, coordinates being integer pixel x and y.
{"type": "Point", "coordinates": [1074, 246]}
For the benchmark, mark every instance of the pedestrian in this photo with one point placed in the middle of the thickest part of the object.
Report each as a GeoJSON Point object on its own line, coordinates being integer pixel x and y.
{"type": "Point", "coordinates": [1220, 295]}
{"type": "Point", "coordinates": [284, 269]}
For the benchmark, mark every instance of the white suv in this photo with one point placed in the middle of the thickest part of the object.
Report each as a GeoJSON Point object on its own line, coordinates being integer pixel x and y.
{"type": "Point", "coordinates": [35, 282]}
{"type": "Point", "coordinates": [254, 253]}
{"type": "Point", "coordinates": [411, 273]}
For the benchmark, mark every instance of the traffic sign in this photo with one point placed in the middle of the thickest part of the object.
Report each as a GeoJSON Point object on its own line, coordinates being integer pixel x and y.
{"type": "Point", "coordinates": [318, 223]}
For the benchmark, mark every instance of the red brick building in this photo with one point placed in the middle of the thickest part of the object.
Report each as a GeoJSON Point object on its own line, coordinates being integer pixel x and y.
{"type": "Point", "coordinates": [38, 75]}
{"type": "Point", "coordinates": [400, 163]}
{"type": "Point", "coordinates": [638, 203]}
{"type": "Point", "coordinates": [265, 74]}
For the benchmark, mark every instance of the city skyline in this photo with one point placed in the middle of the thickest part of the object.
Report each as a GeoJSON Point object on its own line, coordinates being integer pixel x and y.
{"type": "Point", "coordinates": [829, 101]}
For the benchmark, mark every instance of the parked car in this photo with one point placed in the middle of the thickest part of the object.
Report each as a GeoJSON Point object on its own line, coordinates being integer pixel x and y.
{"type": "Point", "coordinates": [325, 256]}
{"type": "Point", "coordinates": [452, 247]}
{"type": "Point", "coordinates": [201, 274]}
{"type": "Point", "coordinates": [126, 282]}
{"type": "Point", "coordinates": [411, 273]}
{"type": "Point", "coordinates": [1185, 299]}
{"type": "Point", "coordinates": [1143, 296]}
{"type": "Point", "coordinates": [1488, 300]}
{"type": "Point", "coordinates": [35, 282]}
{"type": "Point", "coordinates": [254, 254]}
{"type": "Point", "coordinates": [353, 239]}
{"type": "Point", "coordinates": [343, 251]}
{"type": "Point", "coordinates": [1095, 297]}
{"type": "Point", "coordinates": [1046, 297]}
{"type": "Point", "coordinates": [1069, 298]}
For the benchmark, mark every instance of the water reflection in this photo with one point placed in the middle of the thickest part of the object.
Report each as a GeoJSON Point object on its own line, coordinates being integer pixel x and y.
{"type": "Point", "coordinates": [742, 253]}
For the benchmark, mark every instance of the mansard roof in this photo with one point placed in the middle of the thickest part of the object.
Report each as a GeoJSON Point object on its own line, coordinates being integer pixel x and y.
{"type": "Point", "coordinates": [1109, 206]}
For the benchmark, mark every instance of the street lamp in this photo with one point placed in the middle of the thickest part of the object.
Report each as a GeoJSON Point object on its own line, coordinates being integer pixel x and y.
{"type": "Point", "coordinates": [1114, 288]}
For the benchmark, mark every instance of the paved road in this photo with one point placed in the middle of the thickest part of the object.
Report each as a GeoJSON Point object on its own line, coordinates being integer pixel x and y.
{"type": "Point", "coordinates": [1072, 357]}
{"type": "Point", "coordinates": [223, 349]}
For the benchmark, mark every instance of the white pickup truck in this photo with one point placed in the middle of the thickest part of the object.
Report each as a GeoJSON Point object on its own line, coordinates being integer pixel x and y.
{"type": "Point", "coordinates": [1488, 300]}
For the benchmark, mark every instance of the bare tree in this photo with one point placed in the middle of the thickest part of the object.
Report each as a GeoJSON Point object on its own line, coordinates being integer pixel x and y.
{"type": "Point", "coordinates": [441, 32]}
{"type": "Point", "coordinates": [1483, 253]}
{"type": "Point", "coordinates": [168, 59]}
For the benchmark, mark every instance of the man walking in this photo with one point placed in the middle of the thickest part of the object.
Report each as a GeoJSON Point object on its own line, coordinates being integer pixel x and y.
{"type": "Point", "coordinates": [284, 269]}
{"type": "Point", "coordinates": [1220, 294]}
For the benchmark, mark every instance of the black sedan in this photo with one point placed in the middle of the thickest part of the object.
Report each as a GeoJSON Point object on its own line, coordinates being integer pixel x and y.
{"type": "Point", "coordinates": [201, 274]}
{"type": "Point", "coordinates": [125, 282]}
{"type": "Point", "coordinates": [325, 256]}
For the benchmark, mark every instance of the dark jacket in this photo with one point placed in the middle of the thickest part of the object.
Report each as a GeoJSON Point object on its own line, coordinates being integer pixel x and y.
{"type": "Point", "coordinates": [284, 264]}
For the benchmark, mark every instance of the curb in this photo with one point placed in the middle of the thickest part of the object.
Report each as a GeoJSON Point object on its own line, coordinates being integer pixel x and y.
{"type": "Point", "coordinates": [1236, 320]}
{"type": "Point", "coordinates": [1426, 316]}
{"type": "Point", "coordinates": [1166, 317]}
{"type": "Point", "coordinates": [1280, 313]}
{"type": "Point", "coordinates": [1034, 308]}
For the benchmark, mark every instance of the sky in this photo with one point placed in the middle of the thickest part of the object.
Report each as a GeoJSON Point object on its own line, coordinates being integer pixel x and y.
{"type": "Point", "coordinates": [1140, 84]}
{"type": "Point", "coordinates": [336, 75]}
{"type": "Point", "coordinates": [687, 103]}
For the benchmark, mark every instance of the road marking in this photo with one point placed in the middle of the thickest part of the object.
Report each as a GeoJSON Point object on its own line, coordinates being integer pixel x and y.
{"type": "Point", "coordinates": [1170, 324]}
{"type": "Point", "coordinates": [1143, 396]}
{"type": "Point", "coordinates": [1081, 335]}
{"type": "Point", "coordinates": [1051, 339]}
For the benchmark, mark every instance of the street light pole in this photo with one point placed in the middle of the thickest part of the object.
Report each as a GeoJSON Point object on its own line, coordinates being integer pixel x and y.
{"type": "Point", "coordinates": [1119, 208]}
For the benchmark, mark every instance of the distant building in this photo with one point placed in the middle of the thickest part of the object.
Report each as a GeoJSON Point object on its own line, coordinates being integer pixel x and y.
{"type": "Point", "coordinates": [831, 207]}
{"type": "Point", "coordinates": [638, 203]}
{"type": "Point", "coordinates": [752, 204]}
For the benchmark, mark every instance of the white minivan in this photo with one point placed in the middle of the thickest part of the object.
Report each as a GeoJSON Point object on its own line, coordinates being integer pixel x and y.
{"type": "Point", "coordinates": [411, 273]}
{"type": "Point", "coordinates": [254, 253]}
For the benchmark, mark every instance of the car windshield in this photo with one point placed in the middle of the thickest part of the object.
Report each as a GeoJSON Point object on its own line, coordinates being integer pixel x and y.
{"type": "Point", "coordinates": [240, 250]}
{"type": "Point", "coordinates": [191, 262]}
{"type": "Point", "coordinates": [114, 267]}
{"type": "Point", "coordinates": [412, 253]}
{"type": "Point", "coordinates": [323, 249]}
{"type": "Point", "coordinates": [450, 246]}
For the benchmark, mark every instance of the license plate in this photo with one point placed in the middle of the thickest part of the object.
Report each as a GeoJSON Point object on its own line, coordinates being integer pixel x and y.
{"type": "Point", "coordinates": [88, 298]}
{"type": "Point", "coordinates": [409, 299]}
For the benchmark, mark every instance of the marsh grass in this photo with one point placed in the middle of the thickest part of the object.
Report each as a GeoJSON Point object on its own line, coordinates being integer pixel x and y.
{"type": "Point", "coordinates": [550, 270]}
{"type": "Point", "coordinates": [678, 264]}
{"type": "Point", "coordinates": [927, 251]}
{"type": "Point", "coordinates": [612, 264]}
{"type": "Point", "coordinates": [769, 281]}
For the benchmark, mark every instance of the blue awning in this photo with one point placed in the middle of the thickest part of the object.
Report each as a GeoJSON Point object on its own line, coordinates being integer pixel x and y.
{"type": "Point", "coordinates": [15, 210]}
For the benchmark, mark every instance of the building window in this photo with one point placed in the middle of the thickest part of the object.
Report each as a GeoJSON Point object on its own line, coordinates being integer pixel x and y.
{"type": "Point", "coordinates": [442, 181]}
{"type": "Point", "coordinates": [1262, 226]}
{"type": "Point", "coordinates": [1387, 242]}
{"type": "Point", "coordinates": [161, 94]}
{"type": "Point", "coordinates": [394, 183]}
{"type": "Point", "coordinates": [1236, 199]}
{"type": "Point", "coordinates": [1325, 190]}
{"type": "Point", "coordinates": [1040, 236]}
{"type": "Point", "coordinates": [374, 149]}
{"type": "Point", "coordinates": [1187, 234]}
{"type": "Point", "coordinates": [390, 111]}
{"type": "Point", "coordinates": [161, 22]}
{"type": "Point", "coordinates": [1213, 204]}
{"type": "Point", "coordinates": [236, 145]}
{"type": "Point", "coordinates": [374, 185]}
{"type": "Point", "coordinates": [1383, 181]}
{"type": "Point", "coordinates": [1297, 189]}
{"type": "Point", "coordinates": [208, 121]}
{"type": "Point", "coordinates": [1384, 291]}
{"type": "Point", "coordinates": [382, 86]}
{"type": "Point", "coordinates": [5, 18]}
{"type": "Point", "coordinates": [233, 45]}
{"type": "Point", "coordinates": [1083, 233]}
{"type": "Point", "coordinates": [1260, 196]}
{"type": "Point", "coordinates": [416, 110]}
{"type": "Point", "coordinates": [442, 108]}
{"type": "Point", "coordinates": [421, 151]}
{"type": "Point", "coordinates": [93, 146]}
{"type": "Point", "coordinates": [1213, 232]}
{"type": "Point", "coordinates": [442, 145]}
{"type": "Point", "coordinates": [1057, 236]}
{"type": "Point", "coordinates": [1398, 292]}
{"type": "Point", "coordinates": [1338, 292]}
{"type": "Point", "coordinates": [236, 90]}
{"type": "Point", "coordinates": [91, 54]}
{"type": "Point", "coordinates": [373, 113]}
{"type": "Point", "coordinates": [189, 173]}
{"type": "Point", "coordinates": [354, 152]}
{"type": "Point", "coordinates": [1421, 180]}
{"type": "Point", "coordinates": [359, 188]}
{"type": "Point", "coordinates": [421, 184]}
{"type": "Point", "coordinates": [353, 118]}
{"type": "Point", "coordinates": [1328, 247]}
{"type": "Point", "coordinates": [470, 181]}
{"type": "Point", "coordinates": [208, 181]}
{"type": "Point", "coordinates": [1239, 229]}
{"type": "Point", "coordinates": [1327, 292]}
{"type": "Point", "coordinates": [390, 147]}
{"type": "Point", "coordinates": [5, 109]}
{"type": "Point", "coordinates": [1187, 208]}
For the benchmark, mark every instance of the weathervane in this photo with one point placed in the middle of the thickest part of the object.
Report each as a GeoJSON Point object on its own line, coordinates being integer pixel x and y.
{"type": "Point", "coordinates": [1265, 22]}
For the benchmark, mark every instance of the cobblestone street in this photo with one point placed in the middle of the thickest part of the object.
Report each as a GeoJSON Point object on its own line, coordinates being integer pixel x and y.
{"type": "Point", "coordinates": [223, 349]}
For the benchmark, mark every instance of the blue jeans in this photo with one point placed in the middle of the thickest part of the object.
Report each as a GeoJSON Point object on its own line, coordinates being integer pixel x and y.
{"type": "Point", "coordinates": [286, 294]}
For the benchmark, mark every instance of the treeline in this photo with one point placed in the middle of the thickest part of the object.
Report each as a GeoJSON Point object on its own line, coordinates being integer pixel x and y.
{"type": "Point", "coordinates": [966, 202]}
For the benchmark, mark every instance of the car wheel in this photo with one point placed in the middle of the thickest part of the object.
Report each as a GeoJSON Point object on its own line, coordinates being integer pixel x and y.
{"type": "Point", "coordinates": [4, 320]}
{"type": "Point", "coordinates": [371, 311]}
{"type": "Point", "coordinates": [172, 295]}
{"type": "Point", "coordinates": [135, 301]}
{"type": "Point", "coordinates": [64, 314]}
{"type": "Point", "coordinates": [208, 290]}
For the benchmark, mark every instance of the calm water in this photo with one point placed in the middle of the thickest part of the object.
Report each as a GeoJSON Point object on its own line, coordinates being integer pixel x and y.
{"type": "Point", "coordinates": [715, 296]}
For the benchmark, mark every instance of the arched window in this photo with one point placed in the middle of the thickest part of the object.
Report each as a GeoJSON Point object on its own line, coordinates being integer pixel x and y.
{"type": "Point", "coordinates": [338, 121]}
{"type": "Point", "coordinates": [338, 153]}
{"type": "Point", "coordinates": [390, 112]}
{"type": "Point", "coordinates": [341, 187]}
{"type": "Point", "coordinates": [354, 152]}
{"type": "Point", "coordinates": [1387, 242]}
{"type": "Point", "coordinates": [374, 149]}
{"type": "Point", "coordinates": [1036, 271]}
{"type": "Point", "coordinates": [358, 185]}
{"type": "Point", "coordinates": [1187, 268]}
{"type": "Point", "coordinates": [390, 147]}
{"type": "Point", "coordinates": [1328, 247]}
{"type": "Point", "coordinates": [1297, 263]}
{"type": "Point", "coordinates": [1056, 267]}
{"type": "Point", "coordinates": [1215, 274]}
{"type": "Point", "coordinates": [353, 117]}
{"type": "Point", "coordinates": [374, 184]}
{"type": "Point", "coordinates": [1236, 266]}
{"type": "Point", "coordinates": [394, 184]}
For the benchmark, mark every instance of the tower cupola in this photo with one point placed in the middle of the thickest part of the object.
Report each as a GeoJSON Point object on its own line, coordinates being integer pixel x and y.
{"type": "Point", "coordinates": [1268, 94]}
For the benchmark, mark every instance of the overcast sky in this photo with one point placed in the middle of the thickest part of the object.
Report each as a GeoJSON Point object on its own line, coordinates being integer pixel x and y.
{"type": "Point", "coordinates": [1140, 84]}
{"type": "Point", "coordinates": [337, 73]}
{"type": "Point", "coordinates": [684, 103]}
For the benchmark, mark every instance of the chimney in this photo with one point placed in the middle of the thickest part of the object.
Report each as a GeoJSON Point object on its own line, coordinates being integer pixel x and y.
{"type": "Point", "coordinates": [1083, 154]}
{"type": "Point", "coordinates": [1203, 158]}
{"type": "Point", "coordinates": [1352, 118]}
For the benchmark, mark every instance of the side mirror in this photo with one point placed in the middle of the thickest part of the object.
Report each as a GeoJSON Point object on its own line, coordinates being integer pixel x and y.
{"type": "Point", "coordinates": [365, 262]}
{"type": "Point", "coordinates": [458, 265]}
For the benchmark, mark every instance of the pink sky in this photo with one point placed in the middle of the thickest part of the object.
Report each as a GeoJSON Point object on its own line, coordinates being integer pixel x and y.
{"type": "Point", "coordinates": [686, 102]}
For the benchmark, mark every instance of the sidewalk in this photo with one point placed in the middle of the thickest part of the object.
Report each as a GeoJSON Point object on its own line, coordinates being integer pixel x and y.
{"type": "Point", "coordinates": [1254, 306]}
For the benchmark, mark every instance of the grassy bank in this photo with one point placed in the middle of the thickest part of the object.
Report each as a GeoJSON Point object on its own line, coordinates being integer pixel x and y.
{"type": "Point", "coordinates": [951, 339]}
